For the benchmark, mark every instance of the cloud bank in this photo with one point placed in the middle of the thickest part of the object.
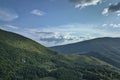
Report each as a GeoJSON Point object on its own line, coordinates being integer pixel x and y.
{"type": "Point", "coordinates": [113, 25]}
{"type": "Point", "coordinates": [69, 33]}
{"type": "Point", "coordinates": [8, 26]}
{"type": "Point", "coordinates": [114, 8]}
{"type": "Point", "coordinates": [84, 3]}
{"type": "Point", "coordinates": [56, 37]}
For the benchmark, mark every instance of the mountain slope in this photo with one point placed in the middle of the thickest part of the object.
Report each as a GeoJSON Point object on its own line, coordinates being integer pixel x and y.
{"type": "Point", "coordinates": [106, 49]}
{"type": "Point", "coordinates": [25, 59]}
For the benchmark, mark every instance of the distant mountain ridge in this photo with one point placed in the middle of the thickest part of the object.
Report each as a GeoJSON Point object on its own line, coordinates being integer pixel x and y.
{"type": "Point", "coordinates": [106, 49]}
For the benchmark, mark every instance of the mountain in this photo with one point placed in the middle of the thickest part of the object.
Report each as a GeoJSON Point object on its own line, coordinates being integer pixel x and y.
{"type": "Point", "coordinates": [106, 49]}
{"type": "Point", "coordinates": [24, 59]}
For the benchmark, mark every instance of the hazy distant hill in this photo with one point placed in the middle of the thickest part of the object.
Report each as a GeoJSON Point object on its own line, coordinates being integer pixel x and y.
{"type": "Point", "coordinates": [25, 59]}
{"type": "Point", "coordinates": [106, 49]}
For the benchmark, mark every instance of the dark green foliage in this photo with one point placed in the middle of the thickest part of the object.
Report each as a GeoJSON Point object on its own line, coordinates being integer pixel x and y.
{"type": "Point", "coordinates": [30, 73]}
{"type": "Point", "coordinates": [24, 59]}
{"type": "Point", "coordinates": [66, 74]}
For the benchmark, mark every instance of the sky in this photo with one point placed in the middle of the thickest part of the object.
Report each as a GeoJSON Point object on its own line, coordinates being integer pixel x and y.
{"type": "Point", "coordinates": [59, 22]}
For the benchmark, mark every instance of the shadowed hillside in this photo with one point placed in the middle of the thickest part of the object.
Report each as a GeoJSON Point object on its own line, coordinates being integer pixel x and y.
{"type": "Point", "coordinates": [106, 49]}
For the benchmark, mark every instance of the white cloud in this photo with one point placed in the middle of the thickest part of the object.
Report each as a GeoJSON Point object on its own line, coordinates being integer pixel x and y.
{"type": "Point", "coordinates": [56, 37]}
{"type": "Point", "coordinates": [37, 12]}
{"type": "Point", "coordinates": [84, 3]}
{"type": "Point", "coordinates": [115, 25]}
{"type": "Point", "coordinates": [104, 25]}
{"type": "Point", "coordinates": [114, 8]}
{"type": "Point", "coordinates": [112, 25]}
{"type": "Point", "coordinates": [6, 26]}
{"type": "Point", "coordinates": [118, 14]}
{"type": "Point", "coordinates": [7, 15]}
{"type": "Point", "coordinates": [105, 11]}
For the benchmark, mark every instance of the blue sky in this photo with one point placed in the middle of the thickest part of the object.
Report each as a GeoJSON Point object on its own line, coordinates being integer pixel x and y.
{"type": "Point", "coordinates": [56, 22]}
